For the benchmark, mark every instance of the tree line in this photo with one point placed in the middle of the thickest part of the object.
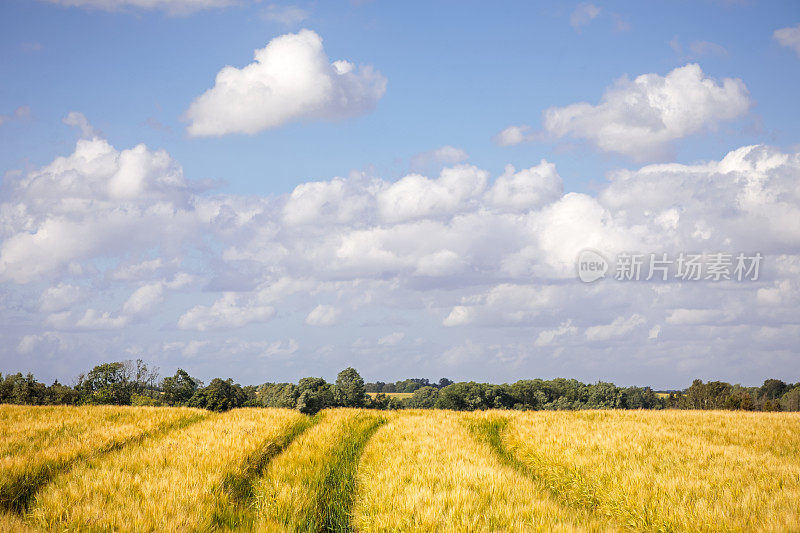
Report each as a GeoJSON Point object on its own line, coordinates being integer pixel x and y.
{"type": "Point", "coordinates": [134, 383]}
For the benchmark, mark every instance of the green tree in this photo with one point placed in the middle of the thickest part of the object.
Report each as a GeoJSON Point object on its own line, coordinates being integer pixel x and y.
{"type": "Point", "coordinates": [529, 394]}
{"type": "Point", "coordinates": [791, 400]}
{"type": "Point", "coordinates": [604, 395]}
{"type": "Point", "coordinates": [424, 398]}
{"type": "Point", "coordinates": [220, 395]}
{"type": "Point", "coordinates": [314, 394]}
{"type": "Point", "coordinates": [349, 391]}
{"type": "Point", "coordinates": [464, 396]}
{"type": "Point", "coordinates": [180, 388]}
{"type": "Point", "coordinates": [772, 389]}
{"type": "Point", "coordinates": [278, 395]}
{"type": "Point", "coordinates": [640, 398]}
{"type": "Point", "coordinates": [27, 391]}
{"type": "Point", "coordinates": [374, 387]}
{"type": "Point", "coordinates": [62, 395]}
{"type": "Point", "coordinates": [108, 383]}
{"type": "Point", "coordinates": [378, 401]}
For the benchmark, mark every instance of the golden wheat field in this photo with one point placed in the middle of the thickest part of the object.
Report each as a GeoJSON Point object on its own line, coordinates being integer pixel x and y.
{"type": "Point", "coordinates": [170, 469]}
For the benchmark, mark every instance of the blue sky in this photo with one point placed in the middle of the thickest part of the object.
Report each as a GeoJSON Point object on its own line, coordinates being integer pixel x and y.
{"type": "Point", "coordinates": [456, 74]}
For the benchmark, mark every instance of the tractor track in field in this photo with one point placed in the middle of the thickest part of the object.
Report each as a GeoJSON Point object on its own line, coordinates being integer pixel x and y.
{"type": "Point", "coordinates": [565, 483]}
{"type": "Point", "coordinates": [310, 487]}
{"type": "Point", "coordinates": [235, 510]}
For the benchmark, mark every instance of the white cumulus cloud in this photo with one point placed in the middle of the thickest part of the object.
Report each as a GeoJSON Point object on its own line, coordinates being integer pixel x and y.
{"type": "Point", "coordinates": [291, 79]}
{"type": "Point", "coordinates": [641, 118]}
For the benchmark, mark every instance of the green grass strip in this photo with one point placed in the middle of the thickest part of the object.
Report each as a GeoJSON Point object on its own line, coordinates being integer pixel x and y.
{"type": "Point", "coordinates": [335, 501]}
{"type": "Point", "coordinates": [235, 505]}
{"type": "Point", "coordinates": [330, 486]}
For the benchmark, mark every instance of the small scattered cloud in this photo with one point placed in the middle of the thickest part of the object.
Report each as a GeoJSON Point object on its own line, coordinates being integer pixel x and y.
{"type": "Point", "coordinates": [619, 327]}
{"type": "Point", "coordinates": [31, 47]}
{"type": "Point", "coordinates": [144, 299]}
{"type": "Point", "coordinates": [549, 336]}
{"type": "Point", "coordinates": [171, 7]}
{"type": "Point", "coordinates": [227, 312]}
{"type": "Point", "coordinates": [278, 349]}
{"type": "Point", "coordinates": [21, 113]}
{"type": "Point", "coordinates": [582, 15]}
{"type": "Point", "coordinates": [391, 339]}
{"type": "Point", "coordinates": [697, 49]}
{"type": "Point", "coordinates": [514, 135]}
{"type": "Point", "coordinates": [460, 315]}
{"type": "Point", "coordinates": [678, 317]}
{"type": "Point", "coordinates": [789, 37]}
{"type": "Point", "coordinates": [705, 48]}
{"type": "Point", "coordinates": [155, 124]}
{"type": "Point", "coordinates": [27, 344]}
{"type": "Point", "coordinates": [136, 271]}
{"type": "Point", "coordinates": [620, 24]}
{"type": "Point", "coordinates": [60, 297]}
{"type": "Point", "coordinates": [444, 156]}
{"type": "Point", "coordinates": [77, 120]}
{"type": "Point", "coordinates": [322, 315]}
{"type": "Point", "coordinates": [97, 320]}
{"type": "Point", "coordinates": [286, 15]}
{"type": "Point", "coordinates": [187, 349]}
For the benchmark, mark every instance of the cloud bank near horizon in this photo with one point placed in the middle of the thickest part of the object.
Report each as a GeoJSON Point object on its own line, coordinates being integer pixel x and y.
{"type": "Point", "coordinates": [114, 251]}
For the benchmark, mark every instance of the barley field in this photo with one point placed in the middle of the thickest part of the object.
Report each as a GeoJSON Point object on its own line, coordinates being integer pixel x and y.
{"type": "Point", "coordinates": [170, 469]}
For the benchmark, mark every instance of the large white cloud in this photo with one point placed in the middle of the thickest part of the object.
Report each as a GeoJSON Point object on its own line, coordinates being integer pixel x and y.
{"type": "Point", "coordinates": [290, 79]}
{"type": "Point", "coordinates": [750, 197]}
{"type": "Point", "coordinates": [96, 201]}
{"type": "Point", "coordinates": [643, 117]}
